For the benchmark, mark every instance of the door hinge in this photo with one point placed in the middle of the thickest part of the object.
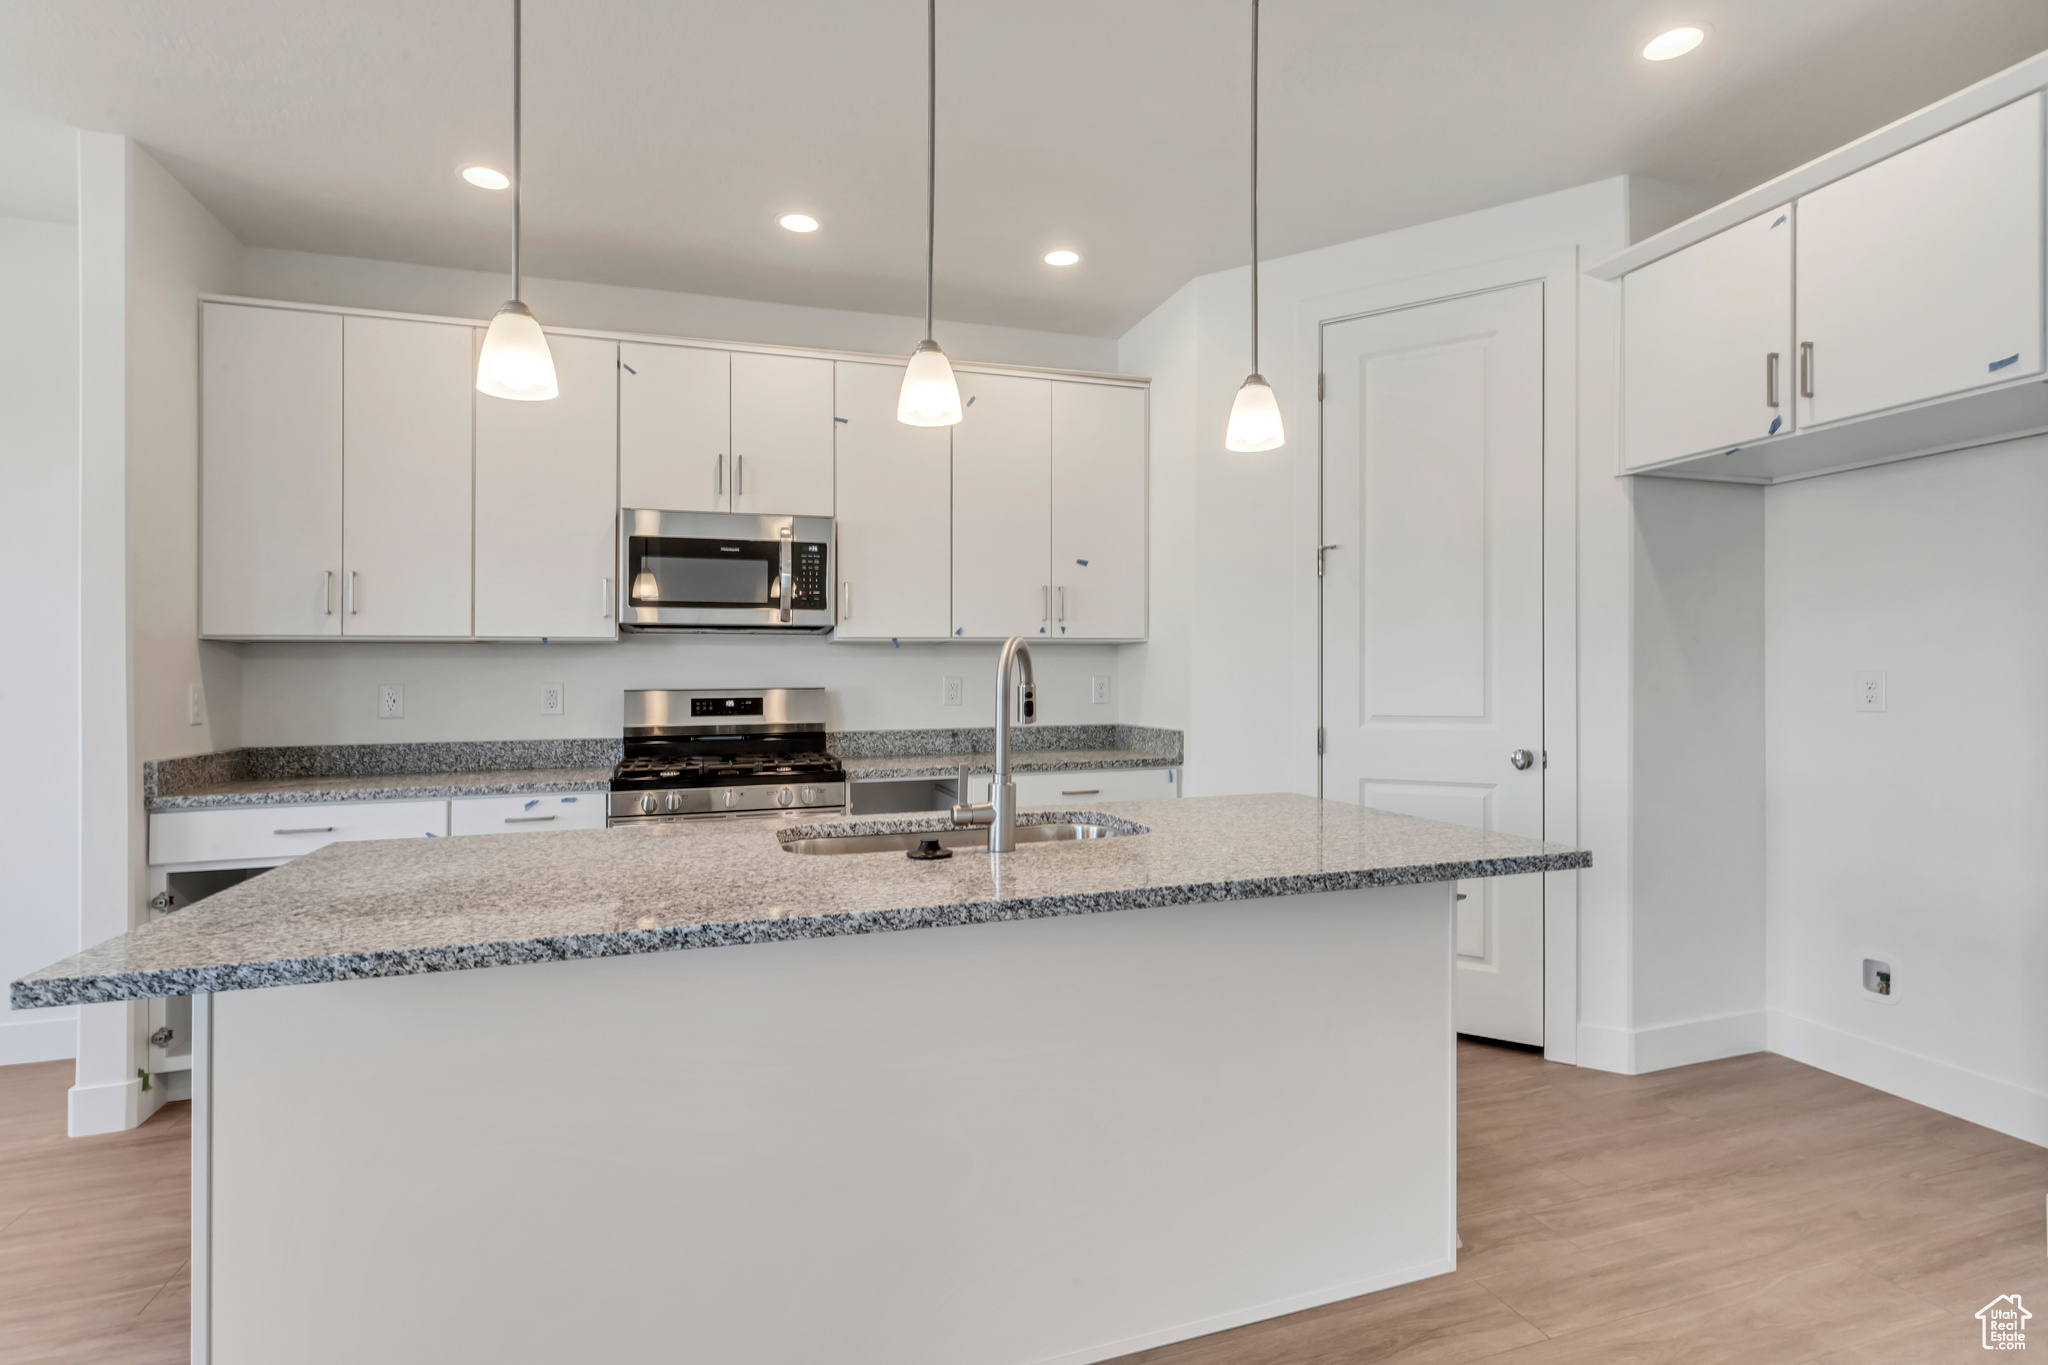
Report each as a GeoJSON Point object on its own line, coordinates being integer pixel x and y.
{"type": "Point", "coordinates": [1319, 388]}
{"type": "Point", "coordinates": [1322, 739]}
{"type": "Point", "coordinates": [1321, 551]}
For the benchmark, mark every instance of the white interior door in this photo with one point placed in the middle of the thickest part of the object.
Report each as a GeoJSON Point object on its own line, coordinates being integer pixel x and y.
{"type": "Point", "coordinates": [1433, 603]}
{"type": "Point", "coordinates": [406, 476]}
{"type": "Point", "coordinates": [894, 532]}
{"type": "Point", "coordinates": [1098, 511]}
{"type": "Point", "coordinates": [675, 428]}
{"type": "Point", "coordinates": [1002, 508]}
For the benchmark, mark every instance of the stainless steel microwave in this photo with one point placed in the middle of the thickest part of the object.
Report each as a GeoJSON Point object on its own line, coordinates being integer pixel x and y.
{"type": "Point", "coordinates": [725, 571]}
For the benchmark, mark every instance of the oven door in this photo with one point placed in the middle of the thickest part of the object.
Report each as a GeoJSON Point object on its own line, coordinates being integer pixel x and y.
{"type": "Point", "coordinates": [725, 571]}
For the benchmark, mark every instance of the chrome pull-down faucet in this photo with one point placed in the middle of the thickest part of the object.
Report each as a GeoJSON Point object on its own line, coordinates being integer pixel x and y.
{"type": "Point", "coordinates": [999, 812]}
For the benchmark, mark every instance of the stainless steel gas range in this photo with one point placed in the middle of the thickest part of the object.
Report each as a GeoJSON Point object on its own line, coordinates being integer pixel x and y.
{"type": "Point", "coordinates": [721, 755]}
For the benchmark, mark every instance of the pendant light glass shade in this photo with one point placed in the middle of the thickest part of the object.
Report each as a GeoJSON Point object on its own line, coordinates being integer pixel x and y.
{"type": "Point", "coordinates": [1255, 418]}
{"type": "Point", "coordinates": [930, 397]}
{"type": "Point", "coordinates": [515, 361]}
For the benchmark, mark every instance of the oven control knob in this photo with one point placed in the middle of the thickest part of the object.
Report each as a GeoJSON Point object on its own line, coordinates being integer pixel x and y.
{"type": "Point", "coordinates": [675, 801]}
{"type": "Point", "coordinates": [732, 798]}
{"type": "Point", "coordinates": [647, 804]}
{"type": "Point", "coordinates": [809, 797]}
{"type": "Point", "coordinates": [784, 797]}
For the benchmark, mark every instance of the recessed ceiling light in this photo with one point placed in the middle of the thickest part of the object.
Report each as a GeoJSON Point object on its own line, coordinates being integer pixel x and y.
{"type": "Point", "coordinates": [798, 222]}
{"type": "Point", "coordinates": [1061, 257]}
{"type": "Point", "coordinates": [1676, 43]}
{"type": "Point", "coordinates": [484, 178]}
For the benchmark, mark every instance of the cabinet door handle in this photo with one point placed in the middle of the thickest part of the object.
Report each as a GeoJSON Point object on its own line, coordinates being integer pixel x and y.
{"type": "Point", "coordinates": [604, 599]}
{"type": "Point", "coordinates": [1806, 369]}
{"type": "Point", "coordinates": [1086, 791]}
{"type": "Point", "coordinates": [739, 476]}
{"type": "Point", "coordinates": [1063, 604]}
{"type": "Point", "coordinates": [1045, 603]}
{"type": "Point", "coordinates": [310, 829]}
{"type": "Point", "coordinates": [351, 592]}
{"type": "Point", "coordinates": [718, 474]}
{"type": "Point", "coordinates": [526, 819]}
{"type": "Point", "coordinates": [1771, 380]}
{"type": "Point", "coordinates": [846, 601]}
{"type": "Point", "coordinates": [327, 593]}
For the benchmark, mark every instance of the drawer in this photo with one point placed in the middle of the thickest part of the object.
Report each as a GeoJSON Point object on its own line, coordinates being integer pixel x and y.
{"type": "Point", "coordinates": [1116, 784]}
{"type": "Point", "coordinates": [259, 833]}
{"type": "Point", "coordinates": [525, 814]}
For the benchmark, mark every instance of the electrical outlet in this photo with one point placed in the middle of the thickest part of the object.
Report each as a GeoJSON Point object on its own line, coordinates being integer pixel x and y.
{"type": "Point", "coordinates": [551, 699]}
{"type": "Point", "coordinates": [195, 706]}
{"type": "Point", "coordinates": [390, 702]}
{"type": "Point", "coordinates": [1870, 690]}
{"type": "Point", "coordinates": [1098, 690]}
{"type": "Point", "coordinates": [951, 689]}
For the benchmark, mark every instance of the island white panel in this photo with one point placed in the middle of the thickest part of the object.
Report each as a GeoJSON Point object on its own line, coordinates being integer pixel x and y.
{"type": "Point", "coordinates": [1051, 1140]}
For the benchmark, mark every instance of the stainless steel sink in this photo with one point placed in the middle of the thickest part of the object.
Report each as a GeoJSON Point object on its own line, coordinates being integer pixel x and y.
{"type": "Point", "coordinates": [960, 840]}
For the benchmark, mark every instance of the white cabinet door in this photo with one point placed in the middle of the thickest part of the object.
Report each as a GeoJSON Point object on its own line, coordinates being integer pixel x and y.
{"type": "Point", "coordinates": [1921, 276]}
{"type": "Point", "coordinates": [257, 834]}
{"type": "Point", "coordinates": [1707, 348]}
{"type": "Point", "coordinates": [675, 428]}
{"type": "Point", "coordinates": [406, 472]}
{"type": "Point", "coordinates": [1098, 512]}
{"type": "Point", "coordinates": [894, 533]}
{"type": "Point", "coordinates": [781, 435]}
{"type": "Point", "coordinates": [269, 472]}
{"type": "Point", "coordinates": [525, 814]}
{"type": "Point", "coordinates": [1085, 789]}
{"type": "Point", "coordinates": [547, 505]}
{"type": "Point", "coordinates": [1002, 508]}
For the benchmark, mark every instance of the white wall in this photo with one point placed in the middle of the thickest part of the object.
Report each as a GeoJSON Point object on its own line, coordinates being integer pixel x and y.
{"type": "Point", "coordinates": [39, 621]}
{"type": "Point", "coordinates": [1915, 833]}
{"type": "Point", "coordinates": [349, 282]}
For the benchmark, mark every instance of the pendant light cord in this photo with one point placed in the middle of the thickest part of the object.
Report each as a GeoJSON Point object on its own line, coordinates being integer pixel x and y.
{"type": "Point", "coordinates": [931, 152]}
{"type": "Point", "coordinates": [515, 150]}
{"type": "Point", "coordinates": [1255, 186]}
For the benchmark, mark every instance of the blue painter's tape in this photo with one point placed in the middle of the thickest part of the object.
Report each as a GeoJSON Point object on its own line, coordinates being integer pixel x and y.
{"type": "Point", "coordinates": [1041, 630]}
{"type": "Point", "coordinates": [840, 420]}
{"type": "Point", "coordinates": [1776, 422]}
{"type": "Point", "coordinates": [568, 800]}
{"type": "Point", "coordinates": [1731, 450]}
{"type": "Point", "coordinates": [896, 642]}
{"type": "Point", "coordinates": [2001, 364]}
{"type": "Point", "coordinates": [970, 400]}
{"type": "Point", "coordinates": [961, 631]}
{"type": "Point", "coordinates": [1781, 221]}
{"type": "Point", "coordinates": [1063, 630]}
{"type": "Point", "coordinates": [531, 804]}
{"type": "Point", "coordinates": [431, 835]}
{"type": "Point", "coordinates": [627, 368]}
{"type": "Point", "coordinates": [1082, 562]}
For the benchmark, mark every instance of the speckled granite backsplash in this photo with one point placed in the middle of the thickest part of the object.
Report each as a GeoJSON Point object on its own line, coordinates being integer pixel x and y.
{"type": "Point", "coordinates": [175, 775]}
{"type": "Point", "coordinates": [981, 739]}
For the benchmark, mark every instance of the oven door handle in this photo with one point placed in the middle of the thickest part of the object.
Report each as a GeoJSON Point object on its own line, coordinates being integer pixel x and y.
{"type": "Point", "coordinates": [788, 570]}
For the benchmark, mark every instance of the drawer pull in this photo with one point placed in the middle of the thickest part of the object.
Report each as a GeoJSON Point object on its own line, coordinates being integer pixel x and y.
{"type": "Point", "coordinates": [526, 819]}
{"type": "Point", "coordinates": [1092, 791]}
{"type": "Point", "coordinates": [310, 829]}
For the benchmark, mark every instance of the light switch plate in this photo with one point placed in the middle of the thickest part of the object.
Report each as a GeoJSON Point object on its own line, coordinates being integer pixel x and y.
{"type": "Point", "coordinates": [950, 690]}
{"type": "Point", "coordinates": [1098, 689]}
{"type": "Point", "coordinates": [1870, 690]}
{"type": "Point", "coordinates": [195, 706]}
{"type": "Point", "coordinates": [390, 701]}
{"type": "Point", "coordinates": [551, 699]}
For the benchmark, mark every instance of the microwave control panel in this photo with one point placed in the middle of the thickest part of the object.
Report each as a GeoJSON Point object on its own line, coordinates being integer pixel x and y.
{"type": "Point", "coordinates": [807, 588]}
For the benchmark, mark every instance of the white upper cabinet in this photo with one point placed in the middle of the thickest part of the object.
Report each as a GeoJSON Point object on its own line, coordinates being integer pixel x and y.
{"type": "Point", "coordinates": [1707, 347]}
{"type": "Point", "coordinates": [675, 428]}
{"type": "Point", "coordinates": [405, 522]}
{"type": "Point", "coordinates": [782, 433]}
{"type": "Point", "coordinates": [270, 472]}
{"type": "Point", "coordinates": [1098, 511]}
{"type": "Point", "coordinates": [1921, 275]}
{"type": "Point", "coordinates": [547, 504]}
{"type": "Point", "coordinates": [1002, 508]}
{"type": "Point", "coordinates": [894, 530]}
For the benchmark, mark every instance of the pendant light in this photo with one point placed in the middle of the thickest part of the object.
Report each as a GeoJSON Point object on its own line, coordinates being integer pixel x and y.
{"type": "Point", "coordinates": [1255, 416]}
{"type": "Point", "coordinates": [515, 362]}
{"type": "Point", "coordinates": [930, 398]}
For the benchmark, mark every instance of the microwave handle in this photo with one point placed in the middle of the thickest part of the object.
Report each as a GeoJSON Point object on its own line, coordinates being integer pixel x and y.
{"type": "Point", "coordinates": [788, 572]}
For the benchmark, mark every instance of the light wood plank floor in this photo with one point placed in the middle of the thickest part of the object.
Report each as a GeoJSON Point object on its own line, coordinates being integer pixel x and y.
{"type": "Point", "coordinates": [1748, 1212]}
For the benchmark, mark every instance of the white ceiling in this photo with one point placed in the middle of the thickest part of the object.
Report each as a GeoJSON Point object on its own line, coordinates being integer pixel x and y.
{"type": "Point", "coordinates": [663, 136]}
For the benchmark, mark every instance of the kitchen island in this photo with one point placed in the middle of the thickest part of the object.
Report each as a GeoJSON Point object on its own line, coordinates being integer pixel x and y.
{"type": "Point", "coordinates": [1137, 1088]}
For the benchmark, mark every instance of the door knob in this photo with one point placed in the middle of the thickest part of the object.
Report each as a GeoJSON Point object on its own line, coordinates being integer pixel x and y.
{"type": "Point", "coordinates": [1522, 759]}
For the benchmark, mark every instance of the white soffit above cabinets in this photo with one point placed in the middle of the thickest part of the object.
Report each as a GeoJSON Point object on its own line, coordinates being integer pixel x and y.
{"type": "Point", "coordinates": [665, 136]}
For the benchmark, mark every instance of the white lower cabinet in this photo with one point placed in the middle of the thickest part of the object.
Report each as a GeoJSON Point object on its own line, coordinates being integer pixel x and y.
{"type": "Point", "coordinates": [254, 834]}
{"type": "Point", "coordinates": [1108, 784]}
{"type": "Point", "coordinates": [894, 533]}
{"type": "Point", "coordinates": [525, 814]}
{"type": "Point", "coordinates": [547, 503]}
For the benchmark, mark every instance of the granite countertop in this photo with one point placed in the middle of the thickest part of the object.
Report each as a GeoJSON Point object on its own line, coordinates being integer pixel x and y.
{"type": "Point", "coordinates": [415, 906]}
{"type": "Point", "coordinates": [310, 774]}
{"type": "Point", "coordinates": [300, 791]}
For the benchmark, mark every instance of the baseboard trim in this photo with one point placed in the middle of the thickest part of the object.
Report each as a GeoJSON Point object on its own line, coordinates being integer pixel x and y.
{"type": "Point", "coordinates": [1606, 1048]}
{"type": "Point", "coordinates": [112, 1108]}
{"type": "Point", "coordinates": [38, 1040]}
{"type": "Point", "coordinates": [2011, 1109]}
{"type": "Point", "coordinates": [1691, 1041]}
{"type": "Point", "coordinates": [1223, 1322]}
